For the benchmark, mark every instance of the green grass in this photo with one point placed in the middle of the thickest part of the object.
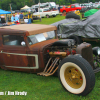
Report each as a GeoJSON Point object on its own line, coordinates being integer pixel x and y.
{"type": "Point", "coordinates": [49, 20]}
{"type": "Point", "coordinates": [39, 87]}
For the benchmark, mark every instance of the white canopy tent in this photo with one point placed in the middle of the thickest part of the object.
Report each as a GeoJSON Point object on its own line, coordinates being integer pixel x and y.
{"type": "Point", "coordinates": [25, 7]}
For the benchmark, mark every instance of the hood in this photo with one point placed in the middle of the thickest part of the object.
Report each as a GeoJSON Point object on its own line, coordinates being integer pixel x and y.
{"type": "Point", "coordinates": [40, 46]}
{"type": "Point", "coordinates": [36, 13]}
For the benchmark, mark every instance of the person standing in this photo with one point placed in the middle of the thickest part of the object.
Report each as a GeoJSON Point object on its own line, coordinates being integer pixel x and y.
{"type": "Point", "coordinates": [17, 15]}
{"type": "Point", "coordinates": [13, 18]}
{"type": "Point", "coordinates": [29, 18]}
{"type": "Point", "coordinates": [21, 18]}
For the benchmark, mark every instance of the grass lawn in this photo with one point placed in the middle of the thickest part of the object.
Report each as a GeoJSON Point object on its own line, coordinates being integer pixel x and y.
{"type": "Point", "coordinates": [39, 87]}
{"type": "Point", "coordinates": [49, 20]}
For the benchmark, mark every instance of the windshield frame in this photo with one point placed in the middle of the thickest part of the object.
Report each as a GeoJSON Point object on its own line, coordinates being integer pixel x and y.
{"type": "Point", "coordinates": [37, 38]}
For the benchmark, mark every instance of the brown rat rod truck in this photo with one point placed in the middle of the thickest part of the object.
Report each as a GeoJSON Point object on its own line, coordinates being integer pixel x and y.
{"type": "Point", "coordinates": [35, 48]}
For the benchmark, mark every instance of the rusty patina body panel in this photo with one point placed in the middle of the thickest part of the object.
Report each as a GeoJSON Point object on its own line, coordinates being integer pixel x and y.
{"type": "Point", "coordinates": [24, 58]}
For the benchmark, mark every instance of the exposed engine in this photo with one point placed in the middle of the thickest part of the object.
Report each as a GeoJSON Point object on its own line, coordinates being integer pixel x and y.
{"type": "Point", "coordinates": [62, 48]}
{"type": "Point", "coordinates": [55, 53]}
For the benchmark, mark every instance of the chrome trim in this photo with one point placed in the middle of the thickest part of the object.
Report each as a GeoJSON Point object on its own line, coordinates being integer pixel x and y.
{"type": "Point", "coordinates": [34, 55]}
{"type": "Point", "coordinates": [23, 67]}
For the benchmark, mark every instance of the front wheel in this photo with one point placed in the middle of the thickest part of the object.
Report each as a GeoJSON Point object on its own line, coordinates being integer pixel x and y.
{"type": "Point", "coordinates": [76, 75]}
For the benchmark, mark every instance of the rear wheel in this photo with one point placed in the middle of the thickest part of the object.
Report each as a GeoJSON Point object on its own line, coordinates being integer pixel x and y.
{"type": "Point", "coordinates": [54, 15]}
{"type": "Point", "coordinates": [76, 75]}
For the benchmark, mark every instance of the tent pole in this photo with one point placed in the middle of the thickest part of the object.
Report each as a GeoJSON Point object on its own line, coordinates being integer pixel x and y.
{"type": "Point", "coordinates": [10, 9]}
{"type": "Point", "coordinates": [6, 19]}
{"type": "Point", "coordinates": [39, 5]}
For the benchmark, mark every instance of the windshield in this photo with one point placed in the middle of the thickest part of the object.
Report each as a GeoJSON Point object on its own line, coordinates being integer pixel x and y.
{"type": "Point", "coordinates": [53, 4]}
{"type": "Point", "coordinates": [32, 39]}
{"type": "Point", "coordinates": [77, 5]}
{"type": "Point", "coordinates": [40, 10]}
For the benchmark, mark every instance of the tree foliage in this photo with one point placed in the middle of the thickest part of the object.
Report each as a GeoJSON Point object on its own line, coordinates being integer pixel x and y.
{"type": "Point", "coordinates": [17, 4]}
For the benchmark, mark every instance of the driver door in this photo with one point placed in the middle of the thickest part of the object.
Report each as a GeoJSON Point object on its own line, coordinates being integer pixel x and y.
{"type": "Point", "coordinates": [14, 53]}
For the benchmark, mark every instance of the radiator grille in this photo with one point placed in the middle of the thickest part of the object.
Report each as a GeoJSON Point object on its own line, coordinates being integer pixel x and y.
{"type": "Point", "coordinates": [85, 50]}
{"type": "Point", "coordinates": [88, 54]}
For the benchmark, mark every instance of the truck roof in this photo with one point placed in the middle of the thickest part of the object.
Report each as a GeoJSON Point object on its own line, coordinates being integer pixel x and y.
{"type": "Point", "coordinates": [32, 29]}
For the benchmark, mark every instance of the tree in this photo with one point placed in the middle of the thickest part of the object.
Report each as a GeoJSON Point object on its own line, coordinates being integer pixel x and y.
{"type": "Point", "coordinates": [17, 4]}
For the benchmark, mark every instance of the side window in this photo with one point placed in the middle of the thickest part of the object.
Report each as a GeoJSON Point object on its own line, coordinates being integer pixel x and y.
{"type": "Point", "coordinates": [72, 7]}
{"type": "Point", "coordinates": [40, 10]}
{"type": "Point", "coordinates": [46, 10]}
{"type": "Point", "coordinates": [15, 40]}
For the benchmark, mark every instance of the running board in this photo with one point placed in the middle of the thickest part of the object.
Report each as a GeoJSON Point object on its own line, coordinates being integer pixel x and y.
{"type": "Point", "coordinates": [48, 71]}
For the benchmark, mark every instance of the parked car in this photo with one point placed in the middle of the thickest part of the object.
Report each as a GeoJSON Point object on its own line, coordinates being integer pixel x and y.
{"type": "Point", "coordinates": [87, 5]}
{"type": "Point", "coordinates": [35, 48]}
{"type": "Point", "coordinates": [33, 17]}
{"type": "Point", "coordinates": [12, 11]}
{"type": "Point", "coordinates": [17, 11]}
{"type": "Point", "coordinates": [72, 7]}
{"type": "Point", "coordinates": [46, 12]}
{"type": "Point", "coordinates": [25, 10]}
{"type": "Point", "coordinates": [22, 10]}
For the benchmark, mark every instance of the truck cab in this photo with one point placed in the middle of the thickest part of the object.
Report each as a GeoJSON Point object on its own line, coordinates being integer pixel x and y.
{"type": "Point", "coordinates": [22, 48]}
{"type": "Point", "coordinates": [72, 7]}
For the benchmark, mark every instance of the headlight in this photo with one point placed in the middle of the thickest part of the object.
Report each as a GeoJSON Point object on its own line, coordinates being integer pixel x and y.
{"type": "Point", "coordinates": [96, 51]}
{"type": "Point", "coordinates": [72, 41]}
{"type": "Point", "coordinates": [69, 43]}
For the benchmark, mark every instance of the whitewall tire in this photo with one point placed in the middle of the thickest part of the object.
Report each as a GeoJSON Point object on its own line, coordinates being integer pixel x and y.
{"type": "Point", "coordinates": [76, 75]}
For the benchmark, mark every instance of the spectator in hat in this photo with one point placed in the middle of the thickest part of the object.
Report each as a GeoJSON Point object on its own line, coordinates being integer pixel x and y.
{"type": "Point", "coordinates": [14, 18]}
